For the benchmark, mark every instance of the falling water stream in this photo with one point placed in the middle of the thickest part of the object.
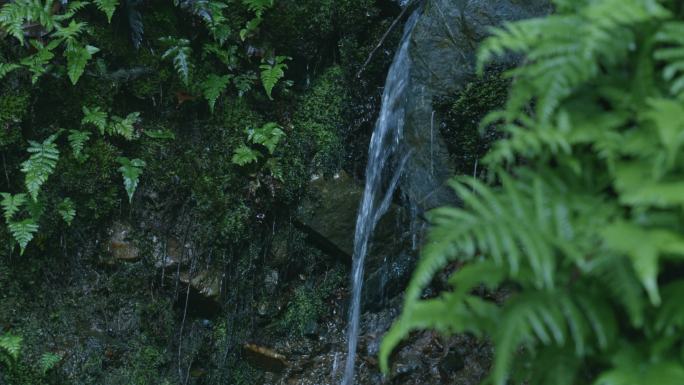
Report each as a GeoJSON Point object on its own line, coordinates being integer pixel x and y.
{"type": "Point", "coordinates": [385, 163]}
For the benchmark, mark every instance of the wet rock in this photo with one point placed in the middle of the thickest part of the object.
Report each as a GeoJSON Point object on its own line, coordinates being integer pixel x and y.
{"type": "Point", "coordinates": [169, 253]}
{"type": "Point", "coordinates": [443, 49]}
{"type": "Point", "coordinates": [311, 329]}
{"type": "Point", "coordinates": [265, 358]}
{"type": "Point", "coordinates": [121, 246]}
{"type": "Point", "coordinates": [205, 282]}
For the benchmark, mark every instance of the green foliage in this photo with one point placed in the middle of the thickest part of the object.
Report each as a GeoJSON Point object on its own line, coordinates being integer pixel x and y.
{"type": "Point", "coordinates": [582, 221]}
{"type": "Point", "coordinates": [268, 135]}
{"type": "Point", "coordinates": [124, 126]}
{"type": "Point", "coordinates": [244, 155]}
{"type": "Point", "coordinates": [11, 344]}
{"type": "Point", "coordinates": [13, 16]}
{"type": "Point", "coordinates": [40, 165]}
{"type": "Point", "coordinates": [272, 71]}
{"type": "Point", "coordinates": [48, 361]}
{"type": "Point", "coordinates": [96, 117]}
{"type": "Point", "coordinates": [77, 140]}
{"type": "Point", "coordinates": [77, 58]}
{"type": "Point", "coordinates": [179, 51]}
{"type": "Point", "coordinates": [130, 171]}
{"type": "Point", "coordinates": [6, 68]}
{"type": "Point", "coordinates": [213, 86]}
{"type": "Point", "coordinates": [107, 6]}
{"type": "Point", "coordinates": [23, 232]}
{"type": "Point", "coordinates": [11, 204]}
{"type": "Point", "coordinates": [67, 210]}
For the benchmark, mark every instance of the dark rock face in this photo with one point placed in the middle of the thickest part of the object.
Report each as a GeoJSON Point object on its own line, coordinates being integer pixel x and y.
{"type": "Point", "coordinates": [443, 51]}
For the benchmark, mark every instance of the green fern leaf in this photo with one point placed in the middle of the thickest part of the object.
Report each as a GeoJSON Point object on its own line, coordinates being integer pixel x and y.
{"type": "Point", "coordinates": [40, 165]}
{"type": "Point", "coordinates": [11, 344]}
{"type": "Point", "coordinates": [77, 58]}
{"type": "Point", "coordinates": [107, 6]}
{"type": "Point", "coordinates": [67, 210]}
{"type": "Point", "coordinates": [124, 126]}
{"type": "Point", "coordinates": [23, 232]}
{"type": "Point", "coordinates": [130, 169]}
{"type": "Point", "coordinates": [48, 361]}
{"type": "Point", "coordinates": [37, 63]}
{"type": "Point", "coordinates": [244, 155]}
{"type": "Point", "coordinates": [11, 204]}
{"type": "Point", "coordinates": [70, 33]}
{"type": "Point", "coordinates": [6, 68]}
{"type": "Point", "coordinates": [272, 72]}
{"type": "Point", "coordinates": [258, 6]}
{"type": "Point", "coordinates": [160, 134]}
{"type": "Point", "coordinates": [212, 87]}
{"type": "Point", "coordinates": [96, 117]}
{"type": "Point", "coordinates": [180, 52]}
{"type": "Point", "coordinates": [77, 140]}
{"type": "Point", "coordinates": [268, 135]}
{"type": "Point", "coordinates": [14, 15]}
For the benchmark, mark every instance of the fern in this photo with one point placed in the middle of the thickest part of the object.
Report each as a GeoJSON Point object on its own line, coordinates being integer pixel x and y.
{"type": "Point", "coordinates": [124, 126]}
{"type": "Point", "coordinates": [244, 155]}
{"type": "Point", "coordinates": [23, 232]}
{"type": "Point", "coordinates": [179, 51]}
{"type": "Point", "coordinates": [37, 63]}
{"type": "Point", "coordinates": [268, 135]}
{"type": "Point", "coordinates": [107, 7]}
{"type": "Point", "coordinates": [585, 222]}
{"type": "Point", "coordinates": [77, 140]}
{"type": "Point", "coordinates": [77, 58]}
{"type": "Point", "coordinates": [258, 6]}
{"type": "Point", "coordinates": [96, 117]}
{"type": "Point", "coordinates": [212, 87]}
{"type": "Point", "coordinates": [6, 68]}
{"type": "Point", "coordinates": [40, 165]}
{"type": "Point", "coordinates": [131, 171]}
{"type": "Point", "coordinates": [272, 72]}
{"type": "Point", "coordinates": [67, 210]}
{"type": "Point", "coordinates": [11, 344]}
{"type": "Point", "coordinates": [13, 16]}
{"type": "Point", "coordinates": [11, 204]}
{"type": "Point", "coordinates": [48, 361]}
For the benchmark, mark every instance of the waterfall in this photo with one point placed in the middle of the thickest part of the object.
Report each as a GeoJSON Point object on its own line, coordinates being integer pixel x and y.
{"type": "Point", "coordinates": [385, 163]}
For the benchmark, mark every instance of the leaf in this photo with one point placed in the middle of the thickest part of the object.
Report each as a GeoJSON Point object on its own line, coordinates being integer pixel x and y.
{"type": "Point", "coordinates": [11, 344]}
{"type": "Point", "coordinates": [37, 63]}
{"type": "Point", "coordinates": [272, 72]}
{"type": "Point", "coordinates": [77, 140]}
{"type": "Point", "coordinates": [11, 204]}
{"type": "Point", "coordinates": [96, 117]}
{"type": "Point", "coordinates": [131, 171]}
{"type": "Point", "coordinates": [212, 87]}
{"type": "Point", "coordinates": [124, 126]}
{"type": "Point", "coordinates": [107, 6]}
{"type": "Point", "coordinates": [180, 52]}
{"type": "Point", "coordinates": [23, 232]}
{"type": "Point", "coordinates": [268, 135]}
{"type": "Point", "coordinates": [77, 58]}
{"type": "Point", "coordinates": [48, 361]}
{"type": "Point", "coordinates": [67, 210]}
{"type": "Point", "coordinates": [244, 155]}
{"type": "Point", "coordinates": [160, 134]}
{"type": "Point", "coordinates": [40, 165]}
{"type": "Point", "coordinates": [6, 68]}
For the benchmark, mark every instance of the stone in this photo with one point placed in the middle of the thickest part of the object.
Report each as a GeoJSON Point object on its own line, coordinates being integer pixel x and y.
{"type": "Point", "coordinates": [121, 246]}
{"type": "Point", "coordinates": [264, 358]}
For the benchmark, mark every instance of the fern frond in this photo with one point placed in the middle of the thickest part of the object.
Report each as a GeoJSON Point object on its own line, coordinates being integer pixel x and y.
{"type": "Point", "coordinates": [268, 135]}
{"type": "Point", "coordinates": [671, 53]}
{"type": "Point", "coordinates": [130, 169]}
{"type": "Point", "coordinates": [77, 140]}
{"type": "Point", "coordinates": [272, 72]}
{"type": "Point", "coordinates": [14, 14]}
{"type": "Point", "coordinates": [38, 62]}
{"type": "Point", "coordinates": [96, 117]}
{"type": "Point", "coordinates": [107, 7]}
{"type": "Point", "coordinates": [11, 344]}
{"type": "Point", "coordinates": [40, 165]}
{"type": "Point", "coordinates": [67, 210]}
{"type": "Point", "coordinates": [77, 57]}
{"type": "Point", "coordinates": [212, 87]}
{"type": "Point", "coordinates": [48, 361]}
{"type": "Point", "coordinates": [180, 52]}
{"type": "Point", "coordinates": [258, 6]}
{"type": "Point", "coordinates": [23, 232]}
{"type": "Point", "coordinates": [6, 68]}
{"type": "Point", "coordinates": [244, 155]}
{"type": "Point", "coordinates": [124, 126]}
{"type": "Point", "coordinates": [11, 204]}
{"type": "Point", "coordinates": [70, 33]}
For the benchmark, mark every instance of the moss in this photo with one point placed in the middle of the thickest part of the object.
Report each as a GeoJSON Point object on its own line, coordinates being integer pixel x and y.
{"type": "Point", "coordinates": [462, 114]}
{"type": "Point", "coordinates": [14, 107]}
